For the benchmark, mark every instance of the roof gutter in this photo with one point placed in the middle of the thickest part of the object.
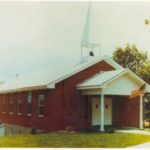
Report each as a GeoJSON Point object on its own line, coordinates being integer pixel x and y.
{"type": "Point", "coordinates": [33, 88]}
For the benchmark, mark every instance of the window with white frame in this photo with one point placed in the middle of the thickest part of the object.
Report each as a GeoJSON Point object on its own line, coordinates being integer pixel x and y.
{"type": "Point", "coordinates": [29, 103]}
{"type": "Point", "coordinates": [11, 104]}
{"type": "Point", "coordinates": [3, 103]}
{"type": "Point", "coordinates": [41, 105]}
{"type": "Point", "coordinates": [19, 107]}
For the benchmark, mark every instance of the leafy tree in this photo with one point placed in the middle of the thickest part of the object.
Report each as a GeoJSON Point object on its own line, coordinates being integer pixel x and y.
{"type": "Point", "coordinates": [130, 57]}
{"type": "Point", "coordinates": [144, 72]}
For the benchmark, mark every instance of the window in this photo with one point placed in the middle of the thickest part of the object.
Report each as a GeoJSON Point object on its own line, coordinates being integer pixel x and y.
{"type": "Point", "coordinates": [29, 103]}
{"type": "Point", "coordinates": [41, 101]}
{"type": "Point", "coordinates": [86, 106]}
{"type": "Point", "coordinates": [3, 104]}
{"type": "Point", "coordinates": [19, 104]}
{"type": "Point", "coordinates": [11, 104]}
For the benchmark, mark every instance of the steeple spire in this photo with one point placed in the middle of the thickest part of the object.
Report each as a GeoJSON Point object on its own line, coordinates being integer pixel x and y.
{"type": "Point", "coordinates": [88, 41]}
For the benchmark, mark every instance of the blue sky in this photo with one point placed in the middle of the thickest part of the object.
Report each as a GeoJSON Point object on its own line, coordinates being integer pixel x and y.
{"type": "Point", "coordinates": [37, 36]}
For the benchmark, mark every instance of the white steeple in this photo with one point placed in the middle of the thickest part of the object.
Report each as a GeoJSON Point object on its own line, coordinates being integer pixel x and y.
{"type": "Point", "coordinates": [89, 46]}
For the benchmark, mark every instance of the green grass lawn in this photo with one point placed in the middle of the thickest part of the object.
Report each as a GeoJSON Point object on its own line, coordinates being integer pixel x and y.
{"type": "Point", "coordinates": [74, 140]}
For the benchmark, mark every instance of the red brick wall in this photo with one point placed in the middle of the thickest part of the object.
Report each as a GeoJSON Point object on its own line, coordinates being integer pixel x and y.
{"type": "Point", "coordinates": [64, 106]}
{"type": "Point", "coordinates": [126, 111]}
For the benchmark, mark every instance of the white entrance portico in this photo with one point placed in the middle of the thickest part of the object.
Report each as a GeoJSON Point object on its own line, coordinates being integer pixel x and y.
{"type": "Point", "coordinates": [108, 84]}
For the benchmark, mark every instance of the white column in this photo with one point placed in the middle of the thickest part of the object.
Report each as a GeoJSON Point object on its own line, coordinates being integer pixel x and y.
{"type": "Point", "coordinates": [102, 112]}
{"type": "Point", "coordinates": [141, 111]}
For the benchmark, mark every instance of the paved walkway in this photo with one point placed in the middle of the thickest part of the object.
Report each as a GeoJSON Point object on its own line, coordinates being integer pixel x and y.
{"type": "Point", "coordinates": [136, 131]}
{"type": "Point", "coordinates": [144, 145]}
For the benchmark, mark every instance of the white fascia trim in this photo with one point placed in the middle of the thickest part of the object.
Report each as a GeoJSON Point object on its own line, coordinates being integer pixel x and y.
{"type": "Point", "coordinates": [106, 58]}
{"type": "Point", "coordinates": [89, 87]}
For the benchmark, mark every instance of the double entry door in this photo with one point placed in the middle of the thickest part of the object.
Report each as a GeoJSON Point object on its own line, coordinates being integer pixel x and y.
{"type": "Point", "coordinates": [96, 109]}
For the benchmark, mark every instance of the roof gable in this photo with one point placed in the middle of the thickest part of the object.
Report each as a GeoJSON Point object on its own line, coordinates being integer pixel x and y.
{"type": "Point", "coordinates": [101, 79]}
{"type": "Point", "coordinates": [85, 65]}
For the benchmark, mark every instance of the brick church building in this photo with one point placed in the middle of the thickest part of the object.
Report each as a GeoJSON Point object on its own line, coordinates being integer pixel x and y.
{"type": "Point", "coordinates": [94, 93]}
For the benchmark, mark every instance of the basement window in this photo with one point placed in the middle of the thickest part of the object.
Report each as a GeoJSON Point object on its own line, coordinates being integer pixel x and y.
{"type": "Point", "coordinates": [41, 105]}
{"type": "Point", "coordinates": [29, 104]}
{"type": "Point", "coordinates": [19, 104]}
